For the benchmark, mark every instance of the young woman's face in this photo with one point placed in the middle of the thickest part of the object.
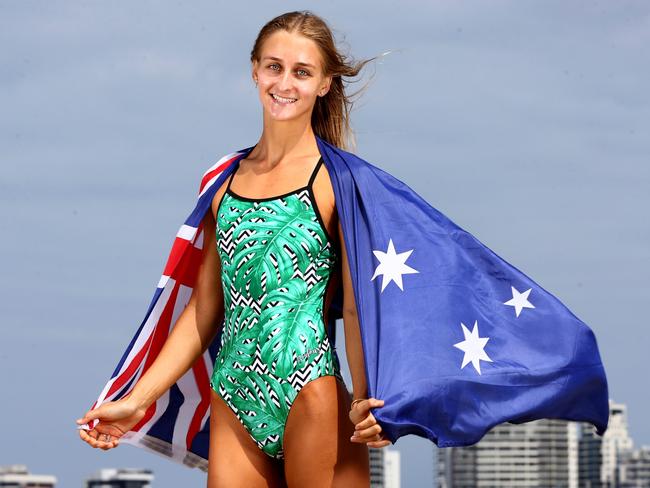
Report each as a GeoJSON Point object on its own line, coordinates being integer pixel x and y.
{"type": "Point", "coordinates": [289, 76]}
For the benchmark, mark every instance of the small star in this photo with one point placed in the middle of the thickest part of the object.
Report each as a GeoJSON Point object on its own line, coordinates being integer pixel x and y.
{"type": "Point", "coordinates": [473, 346]}
{"type": "Point", "coordinates": [391, 266]}
{"type": "Point", "coordinates": [519, 300]}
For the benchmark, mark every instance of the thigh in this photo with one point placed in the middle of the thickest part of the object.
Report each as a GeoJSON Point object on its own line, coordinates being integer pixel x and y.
{"type": "Point", "coordinates": [234, 459]}
{"type": "Point", "coordinates": [317, 447]}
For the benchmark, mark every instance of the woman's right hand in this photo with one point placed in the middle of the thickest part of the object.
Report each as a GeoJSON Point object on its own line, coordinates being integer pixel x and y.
{"type": "Point", "coordinates": [115, 420]}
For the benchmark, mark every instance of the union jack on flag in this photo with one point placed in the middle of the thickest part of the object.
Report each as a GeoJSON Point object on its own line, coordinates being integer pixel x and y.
{"type": "Point", "coordinates": [177, 424]}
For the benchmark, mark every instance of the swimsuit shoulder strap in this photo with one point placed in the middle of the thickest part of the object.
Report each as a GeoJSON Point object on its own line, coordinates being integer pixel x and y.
{"type": "Point", "coordinates": [313, 173]}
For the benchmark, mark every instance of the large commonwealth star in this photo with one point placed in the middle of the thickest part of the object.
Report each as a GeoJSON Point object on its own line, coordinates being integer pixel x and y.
{"type": "Point", "coordinates": [391, 266]}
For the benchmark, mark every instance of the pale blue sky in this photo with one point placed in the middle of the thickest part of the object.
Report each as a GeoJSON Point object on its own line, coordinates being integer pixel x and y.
{"type": "Point", "coordinates": [527, 123]}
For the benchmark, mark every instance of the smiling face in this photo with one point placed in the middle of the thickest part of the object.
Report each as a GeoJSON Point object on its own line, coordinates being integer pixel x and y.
{"type": "Point", "coordinates": [289, 76]}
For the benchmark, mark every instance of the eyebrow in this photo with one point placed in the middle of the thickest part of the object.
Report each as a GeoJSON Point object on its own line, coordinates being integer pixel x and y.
{"type": "Point", "coordinates": [298, 63]}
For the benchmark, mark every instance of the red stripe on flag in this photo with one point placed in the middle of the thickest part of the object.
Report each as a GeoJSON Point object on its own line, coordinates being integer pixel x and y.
{"type": "Point", "coordinates": [178, 250]}
{"type": "Point", "coordinates": [147, 416]}
{"type": "Point", "coordinates": [187, 267]}
{"type": "Point", "coordinates": [130, 370]}
{"type": "Point", "coordinates": [211, 174]}
{"type": "Point", "coordinates": [159, 337]}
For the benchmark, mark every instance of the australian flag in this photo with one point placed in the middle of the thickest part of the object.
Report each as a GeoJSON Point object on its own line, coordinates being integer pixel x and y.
{"type": "Point", "coordinates": [456, 340]}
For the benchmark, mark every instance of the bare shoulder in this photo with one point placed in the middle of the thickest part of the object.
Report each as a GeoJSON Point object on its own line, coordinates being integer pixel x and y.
{"type": "Point", "coordinates": [216, 200]}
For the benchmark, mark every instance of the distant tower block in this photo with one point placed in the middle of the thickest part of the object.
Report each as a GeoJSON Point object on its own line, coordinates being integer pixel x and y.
{"type": "Point", "coordinates": [538, 453]}
{"type": "Point", "coordinates": [17, 476]}
{"type": "Point", "coordinates": [121, 478]}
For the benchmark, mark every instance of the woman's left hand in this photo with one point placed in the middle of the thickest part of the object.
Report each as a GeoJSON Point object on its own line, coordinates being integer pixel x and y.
{"type": "Point", "coordinates": [366, 428]}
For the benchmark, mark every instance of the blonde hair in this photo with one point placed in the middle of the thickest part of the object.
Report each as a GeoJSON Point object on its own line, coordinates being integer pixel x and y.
{"type": "Point", "coordinates": [331, 116]}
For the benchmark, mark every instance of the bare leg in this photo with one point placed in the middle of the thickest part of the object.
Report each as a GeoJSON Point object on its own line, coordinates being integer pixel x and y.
{"type": "Point", "coordinates": [317, 447]}
{"type": "Point", "coordinates": [234, 459]}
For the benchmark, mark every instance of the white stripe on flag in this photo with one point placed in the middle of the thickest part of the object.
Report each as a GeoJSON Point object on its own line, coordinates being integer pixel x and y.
{"type": "Point", "coordinates": [148, 328]}
{"type": "Point", "coordinates": [163, 281]}
{"type": "Point", "coordinates": [222, 160]}
{"type": "Point", "coordinates": [189, 389]}
{"type": "Point", "coordinates": [210, 183]}
{"type": "Point", "coordinates": [186, 232]}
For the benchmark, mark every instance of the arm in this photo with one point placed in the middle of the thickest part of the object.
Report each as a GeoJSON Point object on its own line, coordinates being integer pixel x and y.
{"type": "Point", "coordinates": [353, 347]}
{"type": "Point", "coordinates": [194, 330]}
{"type": "Point", "coordinates": [367, 430]}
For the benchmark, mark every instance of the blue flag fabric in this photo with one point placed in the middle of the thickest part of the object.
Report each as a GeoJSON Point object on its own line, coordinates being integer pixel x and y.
{"type": "Point", "coordinates": [456, 340]}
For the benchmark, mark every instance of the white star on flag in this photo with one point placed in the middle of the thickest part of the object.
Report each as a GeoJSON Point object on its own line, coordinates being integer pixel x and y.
{"type": "Point", "coordinates": [473, 346]}
{"type": "Point", "coordinates": [519, 300]}
{"type": "Point", "coordinates": [391, 266]}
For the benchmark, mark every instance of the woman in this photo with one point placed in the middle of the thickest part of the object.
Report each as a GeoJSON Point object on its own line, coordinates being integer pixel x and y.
{"type": "Point", "coordinates": [297, 70]}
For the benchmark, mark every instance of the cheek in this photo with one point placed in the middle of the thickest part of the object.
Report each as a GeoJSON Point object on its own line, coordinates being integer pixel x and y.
{"type": "Point", "coordinates": [307, 92]}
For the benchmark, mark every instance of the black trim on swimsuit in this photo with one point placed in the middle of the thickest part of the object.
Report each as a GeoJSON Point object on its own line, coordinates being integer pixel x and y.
{"type": "Point", "coordinates": [308, 186]}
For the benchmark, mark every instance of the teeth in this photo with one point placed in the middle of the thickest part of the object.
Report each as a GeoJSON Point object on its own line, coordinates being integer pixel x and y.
{"type": "Point", "coordinates": [283, 100]}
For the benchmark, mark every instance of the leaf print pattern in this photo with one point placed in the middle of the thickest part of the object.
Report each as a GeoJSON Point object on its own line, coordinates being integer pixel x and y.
{"type": "Point", "coordinates": [276, 261]}
{"type": "Point", "coordinates": [290, 328]}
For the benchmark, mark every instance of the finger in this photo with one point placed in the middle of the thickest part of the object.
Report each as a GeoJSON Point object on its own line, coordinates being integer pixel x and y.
{"type": "Point", "coordinates": [105, 446]}
{"type": "Point", "coordinates": [379, 444]}
{"type": "Point", "coordinates": [373, 403]}
{"type": "Point", "coordinates": [90, 415]}
{"type": "Point", "coordinates": [84, 436]}
{"type": "Point", "coordinates": [94, 442]}
{"type": "Point", "coordinates": [88, 438]}
{"type": "Point", "coordinates": [367, 438]}
{"type": "Point", "coordinates": [112, 430]}
{"type": "Point", "coordinates": [368, 433]}
{"type": "Point", "coordinates": [368, 441]}
{"type": "Point", "coordinates": [379, 441]}
{"type": "Point", "coordinates": [369, 403]}
{"type": "Point", "coordinates": [369, 421]}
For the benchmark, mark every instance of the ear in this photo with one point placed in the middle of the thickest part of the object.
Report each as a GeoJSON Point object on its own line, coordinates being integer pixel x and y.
{"type": "Point", "coordinates": [327, 85]}
{"type": "Point", "coordinates": [255, 65]}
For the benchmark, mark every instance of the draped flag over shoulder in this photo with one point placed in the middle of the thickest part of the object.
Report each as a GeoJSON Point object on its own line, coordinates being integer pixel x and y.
{"type": "Point", "coordinates": [456, 340]}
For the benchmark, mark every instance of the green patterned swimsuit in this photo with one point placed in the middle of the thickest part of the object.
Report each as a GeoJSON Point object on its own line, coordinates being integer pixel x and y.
{"type": "Point", "coordinates": [276, 259]}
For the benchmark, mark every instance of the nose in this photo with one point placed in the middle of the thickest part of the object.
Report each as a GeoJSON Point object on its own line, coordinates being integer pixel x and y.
{"type": "Point", "coordinates": [285, 83]}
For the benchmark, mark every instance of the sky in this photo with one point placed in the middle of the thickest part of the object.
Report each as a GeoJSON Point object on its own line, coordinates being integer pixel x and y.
{"type": "Point", "coordinates": [526, 123]}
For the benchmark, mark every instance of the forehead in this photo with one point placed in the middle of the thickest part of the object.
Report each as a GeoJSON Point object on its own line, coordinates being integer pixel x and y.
{"type": "Point", "coordinates": [290, 48]}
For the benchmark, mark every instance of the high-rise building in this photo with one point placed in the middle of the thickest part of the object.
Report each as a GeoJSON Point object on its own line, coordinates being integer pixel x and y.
{"type": "Point", "coordinates": [392, 469]}
{"type": "Point", "coordinates": [384, 467]}
{"type": "Point", "coordinates": [376, 467]}
{"type": "Point", "coordinates": [538, 453]}
{"type": "Point", "coordinates": [598, 456]}
{"type": "Point", "coordinates": [17, 476]}
{"type": "Point", "coordinates": [634, 468]}
{"type": "Point", "coordinates": [549, 452]}
{"type": "Point", "coordinates": [120, 478]}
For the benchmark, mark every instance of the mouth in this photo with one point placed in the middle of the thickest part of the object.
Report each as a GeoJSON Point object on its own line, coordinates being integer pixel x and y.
{"type": "Point", "coordinates": [282, 100]}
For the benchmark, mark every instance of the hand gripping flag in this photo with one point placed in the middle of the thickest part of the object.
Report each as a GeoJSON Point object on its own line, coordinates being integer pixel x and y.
{"type": "Point", "coordinates": [455, 339]}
